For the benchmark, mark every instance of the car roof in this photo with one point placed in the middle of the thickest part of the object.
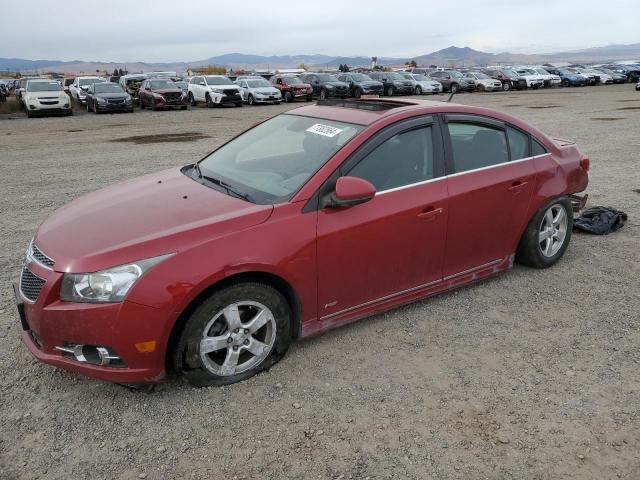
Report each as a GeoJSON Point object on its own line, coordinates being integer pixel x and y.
{"type": "Point", "coordinates": [369, 111]}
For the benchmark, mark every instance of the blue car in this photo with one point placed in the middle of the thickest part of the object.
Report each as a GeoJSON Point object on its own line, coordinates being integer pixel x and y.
{"type": "Point", "coordinates": [568, 77]}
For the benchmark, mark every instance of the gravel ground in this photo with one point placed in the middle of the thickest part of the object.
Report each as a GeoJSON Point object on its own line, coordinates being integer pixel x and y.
{"type": "Point", "coordinates": [531, 375]}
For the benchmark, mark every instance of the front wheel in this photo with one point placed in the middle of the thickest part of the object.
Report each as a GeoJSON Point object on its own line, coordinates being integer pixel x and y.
{"type": "Point", "coordinates": [389, 91]}
{"type": "Point", "coordinates": [192, 100]}
{"type": "Point", "coordinates": [418, 90]}
{"type": "Point", "coordinates": [323, 94]}
{"type": "Point", "coordinates": [288, 98]}
{"type": "Point", "coordinates": [234, 334]}
{"type": "Point", "coordinates": [454, 88]}
{"type": "Point", "coordinates": [506, 86]}
{"type": "Point", "coordinates": [547, 236]}
{"type": "Point", "coordinates": [565, 83]}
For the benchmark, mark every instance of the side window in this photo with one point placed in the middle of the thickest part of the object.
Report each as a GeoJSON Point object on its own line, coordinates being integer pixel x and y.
{"type": "Point", "coordinates": [537, 148]}
{"type": "Point", "coordinates": [518, 144]}
{"type": "Point", "coordinates": [476, 146]}
{"type": "Point", "coordinates": [404, 159]}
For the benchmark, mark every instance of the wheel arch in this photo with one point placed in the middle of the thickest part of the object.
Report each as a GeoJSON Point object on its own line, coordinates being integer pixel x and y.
{"type": "Point", "coordinates": [267, 278]}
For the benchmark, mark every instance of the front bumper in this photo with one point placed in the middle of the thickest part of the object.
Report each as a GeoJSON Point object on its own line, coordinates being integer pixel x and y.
{"type": "Point", "coordinates": [267, 99]}
{"type": "Point", "coordinates": [220, 99]}
{"type": "Point", "coordinates": [49, 109]}
{"type": "Point", "coordinates": [48, 323]}
{"type": "Point", "coordinates": [115, 107]}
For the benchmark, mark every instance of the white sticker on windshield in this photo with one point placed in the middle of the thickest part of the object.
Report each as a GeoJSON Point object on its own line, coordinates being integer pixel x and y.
{"type": "Point", "coordinates": [324, 130]}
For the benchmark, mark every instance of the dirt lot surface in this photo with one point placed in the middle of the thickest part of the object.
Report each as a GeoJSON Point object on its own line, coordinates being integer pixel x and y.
{"type": "Point", "coordinates": [531, 375]}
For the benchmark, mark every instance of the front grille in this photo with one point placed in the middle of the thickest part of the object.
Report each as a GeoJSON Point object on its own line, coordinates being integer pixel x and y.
{"type": "Point", "coordinates": [116, 101]}
{"type": "Point", "coordinates": [48, 102]}
{"type": "Point", "coordinates": [30, 285]}
{"type": "Point", "coordinates": [229, 92]}
{"type": "Point", "coordinates": [41, 258]}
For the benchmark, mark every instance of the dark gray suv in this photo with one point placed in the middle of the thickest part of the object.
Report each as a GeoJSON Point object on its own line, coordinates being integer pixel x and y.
{"type": "Point", "coordinates": [394, 83]}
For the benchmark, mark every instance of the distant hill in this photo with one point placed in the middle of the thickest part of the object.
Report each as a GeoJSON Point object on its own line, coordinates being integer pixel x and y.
{"type": "Point", "coordinates": [451, 56]}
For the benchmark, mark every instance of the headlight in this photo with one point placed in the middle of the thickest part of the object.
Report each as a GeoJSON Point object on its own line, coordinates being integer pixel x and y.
{"type": "Point", "coordinates": [101, 100]}
{"type": "Point", "coordinates": [128, 99]}
{"type": "Point", "coordinates": [110, 285]}
{"type": "Point", "coordinates": [329, 87]}
{"type": "Point", "coordinates": [216, 90]}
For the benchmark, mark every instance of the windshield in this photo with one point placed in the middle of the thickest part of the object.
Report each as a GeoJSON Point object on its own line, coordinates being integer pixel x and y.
{"type": "Point", "coordinates": [421, 78]}
{"type": "Point", "coordinates": [258, 83]}
{"type": "Point", "coordinates": [292, 80]}
{"type": "Point", "coordinates": [88, 81]}
{"type": "Point", "coordinates": [395, 76]}
{"type": "Point", "coordinates": [108, 88]}
{"type": "Point", "coordinates": [526, 71]}
{"type": "Point", "coordinates": [182, 85]}
{"type": "Point", "coordinates": [159, 84]}
{"type": "Point", "coordinates": [273, 160]}
{"type": "Point", "coordinates": [541, 71]}
{"type": "Point", "coordinates": [218, 81]}
{"type": "Point", "coordinates": [359, 77]}
{"type": "Point", "coordinates": [43, 87]}
{"type": "Point", "coordinates": [481, 76]}
{"type": "Point", "coordinates": [455, 74]}
{"type": "Point", "coordinates": [510, 73]}
{"type": "Point", "coordinates": [327, 78]}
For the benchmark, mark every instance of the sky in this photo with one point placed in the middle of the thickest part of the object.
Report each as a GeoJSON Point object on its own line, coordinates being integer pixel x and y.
{"type": "Point", "coordinates": [178, 30]}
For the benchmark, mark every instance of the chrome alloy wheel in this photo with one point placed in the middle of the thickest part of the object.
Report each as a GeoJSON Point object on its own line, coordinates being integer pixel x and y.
{"type": "Point", "coordinates": [238, 338]}
{"type": "Point", "coordinates": [553, 230]}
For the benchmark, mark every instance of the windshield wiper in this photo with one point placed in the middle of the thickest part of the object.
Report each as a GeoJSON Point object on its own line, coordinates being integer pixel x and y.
{"type": "Point", "coordinates": [227, 187]}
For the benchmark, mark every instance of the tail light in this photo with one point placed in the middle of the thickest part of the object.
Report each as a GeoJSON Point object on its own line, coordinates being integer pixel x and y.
{"type": "Point", "coordinates": [585, 163]}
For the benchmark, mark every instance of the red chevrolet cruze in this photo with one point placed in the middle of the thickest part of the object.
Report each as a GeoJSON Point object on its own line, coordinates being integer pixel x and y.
{"type": "Point", "coordinates": [315, 218]}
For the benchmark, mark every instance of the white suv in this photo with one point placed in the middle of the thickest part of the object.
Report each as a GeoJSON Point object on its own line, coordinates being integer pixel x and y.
{"type": "Point", "coordinates": [78, 89]}
{"type": "Point", "coordinates": [42, 97]}
{"type": "Point", "coordinates": [214, 90]}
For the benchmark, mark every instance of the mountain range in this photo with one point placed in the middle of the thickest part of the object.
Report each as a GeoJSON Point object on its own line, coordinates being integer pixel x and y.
{"type": "Point", "coordinates": [451, 56]}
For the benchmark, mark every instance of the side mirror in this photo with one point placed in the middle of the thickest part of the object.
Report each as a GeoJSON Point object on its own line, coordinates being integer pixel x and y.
{"type": "Point", "coordinates": [147, 88]}
{"type": "Point", "coordinates": [350, 191]}
{"type": "Point", "coordinates": [203, 84]}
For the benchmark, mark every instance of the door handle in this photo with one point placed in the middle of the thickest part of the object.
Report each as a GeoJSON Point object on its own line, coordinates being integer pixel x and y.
{"type": "Point", "coordinates": [517, 186]}
{"type": "Point", "coordinates": [430, 213]}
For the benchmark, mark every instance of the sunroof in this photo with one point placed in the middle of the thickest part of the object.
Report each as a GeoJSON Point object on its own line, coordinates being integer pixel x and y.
{"type": "Point", "coordinates": [371, 105]}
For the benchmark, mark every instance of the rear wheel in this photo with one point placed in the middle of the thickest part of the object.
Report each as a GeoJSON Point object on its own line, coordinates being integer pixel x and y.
{"type": "Point", "coordinates": [547, 236]}
{"type": "Point", "coordinates": [251, 100]}
{"type": "Point", "coordinates": [234, 334]}
{"type": "Point", "coordinates": [480, 88]}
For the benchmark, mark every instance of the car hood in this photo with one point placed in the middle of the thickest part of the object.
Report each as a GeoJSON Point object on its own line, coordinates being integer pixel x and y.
{"type": "Point", "coordinates": [224, 87]}
{"type": "Point", "coordinates": [336, 84]}
{"type": "Point", "coordinates": [160, 213]}
{"type": "Point", "coordinates": [111, 95]}
{"type": "Point", "coordinates": [370, 83]}
{"type": "Point", "coordinates": [265, 90]}
{"type": "Point", "coordinates": [162, 91]}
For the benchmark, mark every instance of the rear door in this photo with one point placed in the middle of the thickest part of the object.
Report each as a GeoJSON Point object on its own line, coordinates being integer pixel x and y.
{"type": "Point", "coordinates": [490, 181]}
{"type": "Point", "coordinates": [394, 243]}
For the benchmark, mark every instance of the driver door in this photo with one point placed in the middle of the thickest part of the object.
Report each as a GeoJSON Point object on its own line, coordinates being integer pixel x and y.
{"type": "Point", "coordinates": [394, 243]}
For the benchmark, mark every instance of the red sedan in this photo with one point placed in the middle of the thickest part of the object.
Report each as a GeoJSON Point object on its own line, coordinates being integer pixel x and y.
{"type": "Point", "coordinates": [312, 219]}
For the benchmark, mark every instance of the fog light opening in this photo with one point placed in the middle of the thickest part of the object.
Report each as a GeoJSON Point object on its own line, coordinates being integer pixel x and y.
{"type": "Point", "coordinates": [93, 355]}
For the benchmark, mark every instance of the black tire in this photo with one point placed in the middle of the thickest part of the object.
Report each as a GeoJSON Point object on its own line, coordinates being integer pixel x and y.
{"type": "Point", "coordinates": [277, 103]}
{"type": "Point", "coordinates": [208, 101]}
{"type": "Point", "coordinates": [357, 93]}
{"type": "Point", "coordinates": [88, 109]}
{"type": "Point", "coordinates": [389, 91]}
{"type": "Point", "coordinates": [187, 360]}
{"type": "Point", "coordinates": [529, 250]}
{"type": "Point", "coordinates": [239, 105]}
{"type": "Point", "coordinates": [323, 94]}
{"type": "Point", "coordinates": [506, 86]}
{"type": "Point", "coordinates": [453, 88]}
{"type": "Point", "coordinates": [565, 83]}
{"type": "Point", "coordinates": [418, 90]}
{"type": "Point", "coordinates": [183, 107]}
{"type": "Point", "coordinates": [480, 88]}
{"type": "Point", "coordinates": [251, 100]}
{"type": "Point", "coordinates": [192, 100]}
{"type": "Point", "coordinates": [310, 98]}
{"type": "Point", "coordinates": [95, 107]}
{"type": "Point", "coordinates": [287, 97]}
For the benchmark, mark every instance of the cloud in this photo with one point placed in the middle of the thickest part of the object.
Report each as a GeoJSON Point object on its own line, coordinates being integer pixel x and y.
{"type": "Point", "coordinates": [171, 30]}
